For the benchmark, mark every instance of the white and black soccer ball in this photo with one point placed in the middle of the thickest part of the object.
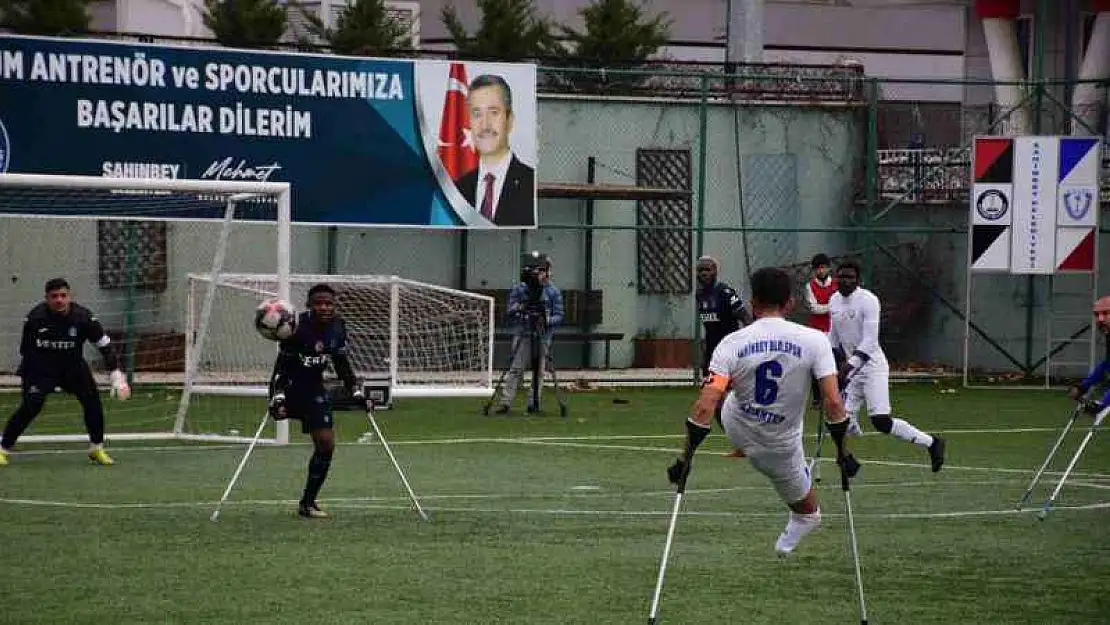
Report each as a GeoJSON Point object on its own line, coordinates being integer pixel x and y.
{"type": "Point", "coordinates": [275, 320]}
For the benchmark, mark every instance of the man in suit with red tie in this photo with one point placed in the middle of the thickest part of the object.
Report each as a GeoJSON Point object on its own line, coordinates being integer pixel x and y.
{"type": "Point", "coordinates": [502, 188]}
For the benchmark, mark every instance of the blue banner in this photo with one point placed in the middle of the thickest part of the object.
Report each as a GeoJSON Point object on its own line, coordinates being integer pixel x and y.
{"type": "Point", "coordinates": [361, 141]}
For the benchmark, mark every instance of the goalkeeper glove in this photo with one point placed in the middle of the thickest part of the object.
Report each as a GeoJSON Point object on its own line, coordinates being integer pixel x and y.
{"type": "Point", "coordinates": [120, 388]}
{"type": "Point", "coordinates": [277, 407]}
{"type": "Point", "coordinates": [360, 397]}
{"type": "Point", "coordinates": [1075, 392]}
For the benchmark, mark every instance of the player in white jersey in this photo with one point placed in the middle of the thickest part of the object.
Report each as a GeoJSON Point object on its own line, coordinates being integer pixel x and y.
{"type": "Point", "coordinates": [864, 373]}
{"type": "Point", "coordinates": [766, 368]}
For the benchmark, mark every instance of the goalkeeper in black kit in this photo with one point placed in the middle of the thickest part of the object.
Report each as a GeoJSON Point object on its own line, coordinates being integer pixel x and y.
{"type": "Point", "coordinates": [297, 387]}
{"type": "Point", "coordinates": [54, 334]}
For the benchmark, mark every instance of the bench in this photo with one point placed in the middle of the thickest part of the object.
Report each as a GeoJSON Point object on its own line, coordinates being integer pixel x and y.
{"type": "Point", "coordinates": [587, 338]}
{"type": "Point", "coordinates": [582, 314]}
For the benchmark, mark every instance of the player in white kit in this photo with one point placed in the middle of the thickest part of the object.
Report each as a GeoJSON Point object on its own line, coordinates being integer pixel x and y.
{"type": "Point", "coordinates": [864, 373]}
{"type": "Point", "coordinates": [766, 368]}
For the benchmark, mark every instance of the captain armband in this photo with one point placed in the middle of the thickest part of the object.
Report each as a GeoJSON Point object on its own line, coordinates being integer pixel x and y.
{"type": "Point", "coordinates": [715, 381]}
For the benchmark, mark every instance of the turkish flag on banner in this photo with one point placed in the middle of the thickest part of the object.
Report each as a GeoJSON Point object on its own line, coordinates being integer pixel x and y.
{"type": "Point", "coordinates": [456, 150]}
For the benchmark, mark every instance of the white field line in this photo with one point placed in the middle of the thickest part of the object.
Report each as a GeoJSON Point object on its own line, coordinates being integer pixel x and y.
{"type": "Point", "coordinates": [366, 505]}
{"type": "Point", "coordinates": [583, 442]}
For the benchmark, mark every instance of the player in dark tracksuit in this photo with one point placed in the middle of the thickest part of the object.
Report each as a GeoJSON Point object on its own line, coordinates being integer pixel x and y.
{"type": "Point", "coordinates": [721, 312]}
{"type": "Point", "coordinates": [720, 309]}
{"type": "Point", "coordinates": [297, 386]}
{"type": "Point", "coordinates": [54, 335]}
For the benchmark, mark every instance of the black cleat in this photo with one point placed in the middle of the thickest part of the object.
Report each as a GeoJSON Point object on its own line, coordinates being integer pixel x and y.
{"type": "Point", "coordinates": [311, 511]}
{"type": "Point", "coordinates": [936, 453]}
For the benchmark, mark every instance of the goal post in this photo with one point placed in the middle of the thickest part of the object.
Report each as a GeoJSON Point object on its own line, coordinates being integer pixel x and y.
{"type": "Point", "coordinates": [127, 246]}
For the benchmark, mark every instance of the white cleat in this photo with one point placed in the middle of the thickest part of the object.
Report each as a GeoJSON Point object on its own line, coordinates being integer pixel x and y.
{"type": "Point", "coordinates": [796, 528]}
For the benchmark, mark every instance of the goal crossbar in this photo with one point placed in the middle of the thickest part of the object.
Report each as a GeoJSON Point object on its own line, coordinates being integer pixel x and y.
{"type": "Point", "coordinates": [77, 200]}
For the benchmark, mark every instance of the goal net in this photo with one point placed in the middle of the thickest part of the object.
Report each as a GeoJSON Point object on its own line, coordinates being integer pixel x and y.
{"type": "Point", "coordinates": [127, 247]}
{"type": "Point", "coordinates": [426, 340]}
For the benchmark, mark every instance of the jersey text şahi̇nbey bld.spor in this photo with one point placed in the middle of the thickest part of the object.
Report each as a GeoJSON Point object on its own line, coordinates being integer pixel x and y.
{"type": "Point", "coordinates": [769, 364]}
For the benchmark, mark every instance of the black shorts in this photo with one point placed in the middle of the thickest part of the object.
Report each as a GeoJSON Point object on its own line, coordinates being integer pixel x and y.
{"type": "Point", "coordinates": [77, 380]}
{"type": "Point", "coordinates": [311, 408]}
{"type": "Point", "coordinates": [707, 353]}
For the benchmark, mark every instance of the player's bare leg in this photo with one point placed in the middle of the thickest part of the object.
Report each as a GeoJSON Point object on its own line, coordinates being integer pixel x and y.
{"type": "Point", "coordinates": [323, 446]}
{"type": "Point", "coordinates": [805, 516]}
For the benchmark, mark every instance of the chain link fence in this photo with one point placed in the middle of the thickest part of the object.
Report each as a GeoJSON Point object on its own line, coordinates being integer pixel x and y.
{"type": "Point", "coordinates": [767, 166]}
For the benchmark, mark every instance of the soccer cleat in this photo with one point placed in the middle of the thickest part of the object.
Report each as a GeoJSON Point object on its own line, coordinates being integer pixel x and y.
{"type": "Point", "coordinates": [501, 410]}
{"type": "Point", "coordinates": [101, 457]}
{"type": "Point", "coordinates": [796, 528]}
{"type": "Point", "coordinates": [936, 453]}
{"type": "Point", "coordinates": [311, 511]}
{"type": "Point", "coordinates": [4, 457]}
{"type": "Point", "coordinates": [735, 453]}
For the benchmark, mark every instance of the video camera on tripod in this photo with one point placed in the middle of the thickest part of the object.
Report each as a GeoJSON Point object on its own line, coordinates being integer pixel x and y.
{"type": "Point", "coordinates": [533, 307]}
{"type": "Point", "coordinates": [533, 304]}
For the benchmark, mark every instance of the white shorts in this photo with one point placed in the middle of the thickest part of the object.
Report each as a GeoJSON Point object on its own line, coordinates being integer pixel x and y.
{"type": "Point", "coordinates": [870, 387]}
{"type": "Point", "coordinates": [786, 468]}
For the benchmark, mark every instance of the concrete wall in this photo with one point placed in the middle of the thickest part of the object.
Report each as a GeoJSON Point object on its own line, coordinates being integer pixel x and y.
{"type": "Point", "coordinates": [811, 155]}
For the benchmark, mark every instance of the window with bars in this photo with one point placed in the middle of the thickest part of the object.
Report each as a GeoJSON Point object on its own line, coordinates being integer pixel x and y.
{"type": "Point", "coordinates": [663, 256]}
{"type": "Point", "coordinates": [132, 254]}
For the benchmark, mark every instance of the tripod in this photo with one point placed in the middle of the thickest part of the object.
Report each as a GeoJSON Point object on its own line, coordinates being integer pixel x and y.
{"type": "Point", "coordinates": [535, 343]}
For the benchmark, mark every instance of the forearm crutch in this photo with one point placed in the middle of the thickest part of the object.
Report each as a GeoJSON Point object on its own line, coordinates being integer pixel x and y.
{"type": "Point", "coordinates": [239, 469]}
{"type": "Point", "coordinates": [1071, 465]}
{"type": "Point", "coordinates": [396, 465]}
{"type": "Point", "coordinates": [815, 463]}
{"type": "Point", "coordinates": [1048, 459]}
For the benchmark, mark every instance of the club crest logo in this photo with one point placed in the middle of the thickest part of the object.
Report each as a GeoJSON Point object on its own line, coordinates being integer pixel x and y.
{"type": "Point", "coordinates": [5, 148]}
{"type": "Point", "coordinates": [319, 347]}
{"type": "Point", "coordinates": [992, 205]}
{"type": "Point", "coordinates": [72, 331]}
{"type": "Point", "coordinates": [1077, 202]}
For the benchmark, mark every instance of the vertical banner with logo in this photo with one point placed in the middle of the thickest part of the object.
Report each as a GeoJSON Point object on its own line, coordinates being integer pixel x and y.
{"type": "Point", "coordinates": [1036, 167]}
{"type": "Point", "coordinates": [362, 141]}
{"type": "Point", "coordinates": [1077, 204]}
{"type": "Point", "coordinates": [991, 200]}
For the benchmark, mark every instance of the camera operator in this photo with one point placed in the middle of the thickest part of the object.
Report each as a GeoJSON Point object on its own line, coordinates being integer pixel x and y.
{"type": "Point", "coordinates": [535, 309]}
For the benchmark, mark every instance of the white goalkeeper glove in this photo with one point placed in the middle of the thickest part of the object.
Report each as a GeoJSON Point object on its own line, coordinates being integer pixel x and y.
{"type": "Point", "coordinates": [359, 396]}
{"type": "Point", "coordinates": [120, 388]}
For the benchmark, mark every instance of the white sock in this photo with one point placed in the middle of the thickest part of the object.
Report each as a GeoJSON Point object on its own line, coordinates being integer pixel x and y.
{"type": "Point", "coordinates": [95, 447]}
{"type": "Point", "coordinates": [903, 430]}
{"type": "Point", "coordinates": [811, 518]}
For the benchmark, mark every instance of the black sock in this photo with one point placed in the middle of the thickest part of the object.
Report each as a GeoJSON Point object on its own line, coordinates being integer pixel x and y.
{"type": "Point", "coordinates": [317, 472]}
{"type": "Point", "coordinates": [94, 417]}
{"type": "Point", "coordinates": [28, 409]}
